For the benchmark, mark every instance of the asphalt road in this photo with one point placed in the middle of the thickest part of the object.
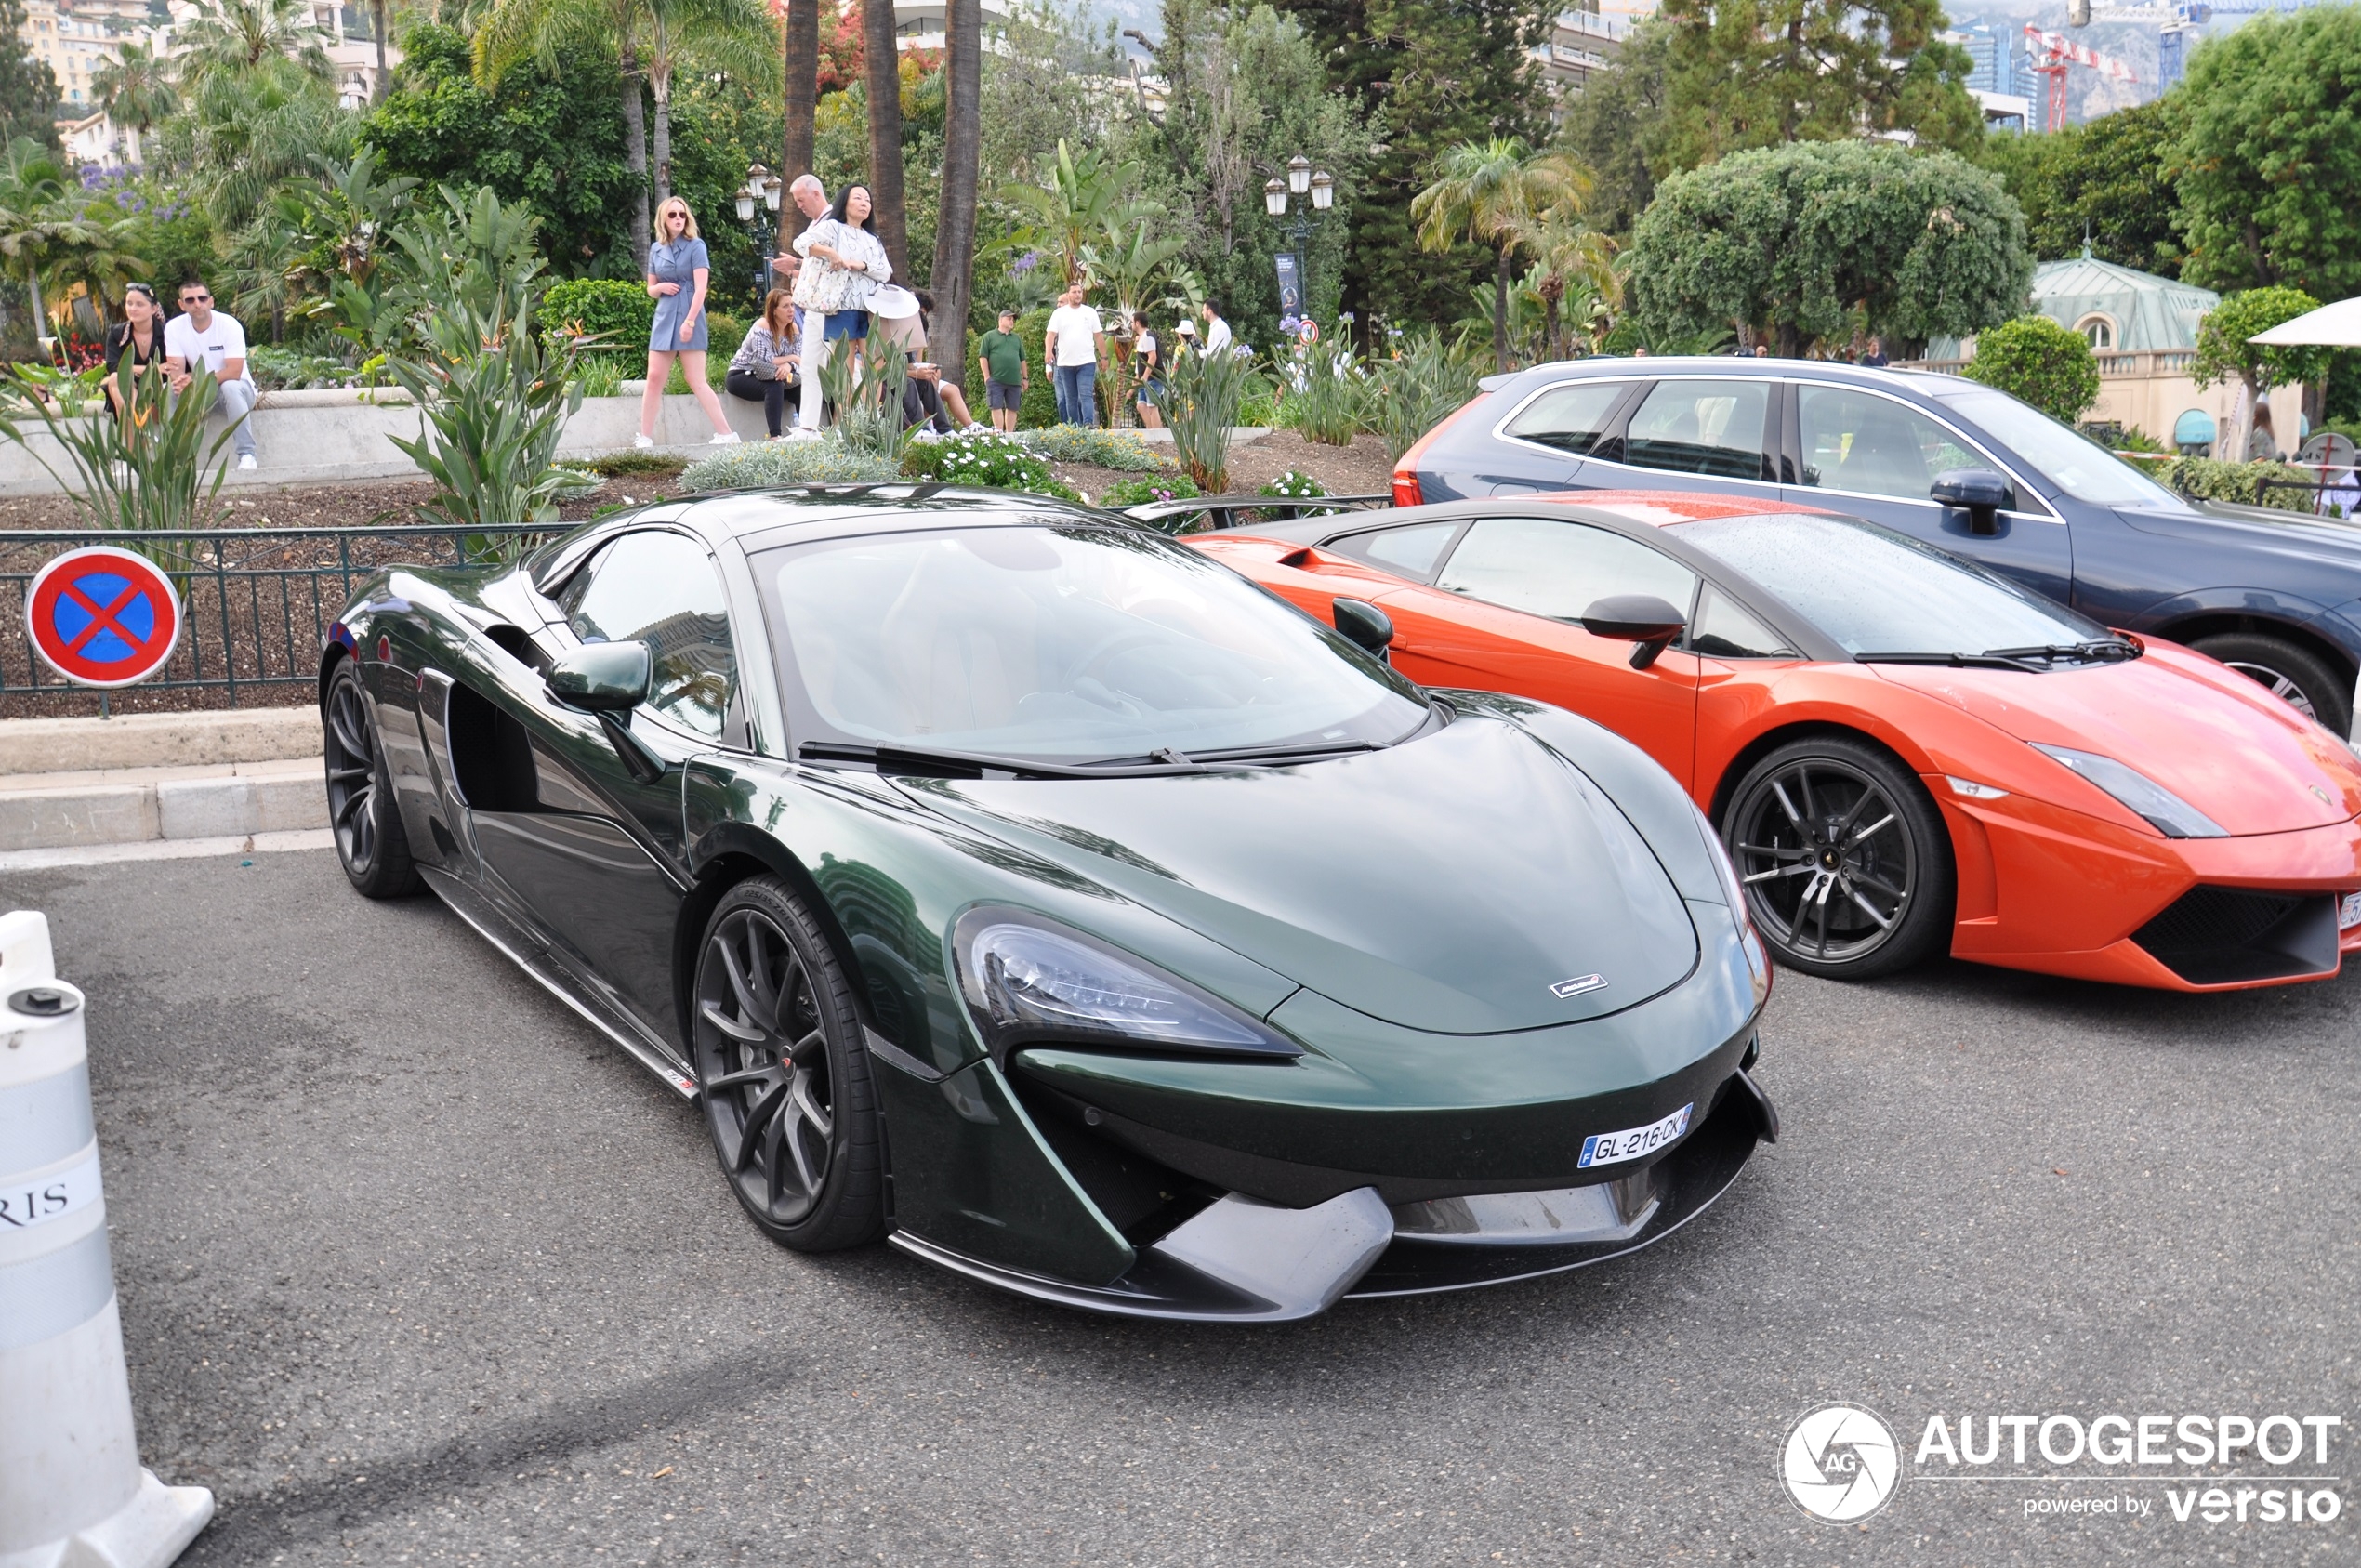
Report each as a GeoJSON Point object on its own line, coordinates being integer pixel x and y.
{"type": "Point", "coordinates": [415, 1267]}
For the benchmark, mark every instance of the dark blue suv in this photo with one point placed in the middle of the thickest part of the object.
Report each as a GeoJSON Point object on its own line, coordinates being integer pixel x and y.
{"type": "Point", "coordinates": [2275, 594]}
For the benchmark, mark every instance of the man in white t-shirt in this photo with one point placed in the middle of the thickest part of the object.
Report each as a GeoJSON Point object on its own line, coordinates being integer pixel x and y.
{"type": "Point", "coordinates": [1217, 331]}
{"type": "Point", "coordinates": [1075, 342]}
{"type": "Point", "coordinates": [200, 333]}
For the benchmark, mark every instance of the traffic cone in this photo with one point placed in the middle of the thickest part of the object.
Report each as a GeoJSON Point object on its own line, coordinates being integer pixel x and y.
{"type": "Point", "coordinates": [72, 1493]}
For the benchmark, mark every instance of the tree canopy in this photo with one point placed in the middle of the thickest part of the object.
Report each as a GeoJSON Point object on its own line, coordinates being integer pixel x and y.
{"type": "Point", "coordinates": [2272, 155]}
{"type": "Point", "coordinates": [27, 88]}
{"type": "Point", "coordinates": [1795, 240]}
{"type": "Point", "coordinates": [2034, 359]}
{"type": "Point", "coordinates": [2110, 180]}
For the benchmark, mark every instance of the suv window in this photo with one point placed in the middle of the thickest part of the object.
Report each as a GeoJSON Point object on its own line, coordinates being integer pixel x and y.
{"type": "Point", "coordinates": [1702, 426]}
{"type": "Point", "coordinates": [1560, 569]}
{"type": "Point", "coordinates": [1861, 441]}
{"type": "Point", "coordinates": [1572, 417]}
{"type": "Point", "coordinates": [659, 588]}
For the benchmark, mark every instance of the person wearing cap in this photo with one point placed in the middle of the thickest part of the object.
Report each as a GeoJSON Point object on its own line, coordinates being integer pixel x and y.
{"type": "Point", "coordinates": [1076, 343]}
{"type": "Point", "coordinates": [1006, 375]}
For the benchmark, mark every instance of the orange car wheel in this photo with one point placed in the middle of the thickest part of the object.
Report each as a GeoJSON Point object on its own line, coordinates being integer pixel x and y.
{"type": "Point", "coordinates": [1847, 869]}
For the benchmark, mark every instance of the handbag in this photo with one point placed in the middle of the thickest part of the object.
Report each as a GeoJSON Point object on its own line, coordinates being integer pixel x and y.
{"type": "Point", "coordinates": [822, 285]}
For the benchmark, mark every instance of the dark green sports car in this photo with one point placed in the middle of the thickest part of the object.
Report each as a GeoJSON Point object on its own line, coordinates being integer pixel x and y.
{"type": "Point", "coordinates": [1013, 884]}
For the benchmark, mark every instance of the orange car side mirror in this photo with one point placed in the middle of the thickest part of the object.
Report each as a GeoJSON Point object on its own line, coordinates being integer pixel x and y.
{"type": "Point", "coordinates": [1642, 619]}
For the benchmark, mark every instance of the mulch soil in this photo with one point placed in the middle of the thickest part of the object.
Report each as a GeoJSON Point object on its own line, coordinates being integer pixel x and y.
{"type": "Point", "coordinates": [281, 614]}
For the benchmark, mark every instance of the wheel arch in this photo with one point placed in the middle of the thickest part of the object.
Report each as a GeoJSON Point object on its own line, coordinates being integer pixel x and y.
{"type": "Point", "coordinates": [732, 853]}
{"type": "Point", "coordinates": [2187, 629]}
{"type": "Point", "coordinates": [1773, 739]}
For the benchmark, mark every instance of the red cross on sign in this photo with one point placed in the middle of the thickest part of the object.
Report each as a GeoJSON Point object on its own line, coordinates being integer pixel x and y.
{"type": "Point", "coordinates": [101, 617]}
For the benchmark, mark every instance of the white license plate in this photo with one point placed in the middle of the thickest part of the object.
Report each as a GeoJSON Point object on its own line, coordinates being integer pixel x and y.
{"type": "Point", "coordinates": [2349, 912]}
{"type": "Point", "coordinates": [1614, 1148]}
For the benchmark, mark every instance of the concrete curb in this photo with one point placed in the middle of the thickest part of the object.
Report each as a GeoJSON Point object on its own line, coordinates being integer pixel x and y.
{"type": "Point", "coordinates": [158, 740]}
{"type": "Point", "coordinates": [134, 805]}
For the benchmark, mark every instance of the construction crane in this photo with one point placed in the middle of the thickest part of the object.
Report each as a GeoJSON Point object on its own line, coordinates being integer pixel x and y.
{"type": "Point", "coordinates": [2053, 54]}
{"type": "Point", "coordinates": [2176, 24]}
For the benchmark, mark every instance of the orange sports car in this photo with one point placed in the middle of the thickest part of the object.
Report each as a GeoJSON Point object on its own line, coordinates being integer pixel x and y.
{"type": "Point", "coordinates": [1902, 750]}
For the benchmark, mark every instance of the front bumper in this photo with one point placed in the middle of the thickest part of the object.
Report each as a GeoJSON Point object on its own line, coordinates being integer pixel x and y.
{"type": "Point", "coordinates": [1239, 1261]}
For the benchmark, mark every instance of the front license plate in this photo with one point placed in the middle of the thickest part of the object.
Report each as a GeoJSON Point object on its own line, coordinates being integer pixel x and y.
{"type": "Point", "coordinates": [2349, 912]}
{"type": "Point", "coordinates": [1614, 1148]}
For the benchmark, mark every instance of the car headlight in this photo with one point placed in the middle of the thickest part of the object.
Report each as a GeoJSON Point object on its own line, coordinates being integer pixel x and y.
{"type": "Point", "coordinates": [2166, 812]}
{"type": "Point", "coordinates": [1031, 982]}
{"type": "Point", "coordinates": [1758, 957]}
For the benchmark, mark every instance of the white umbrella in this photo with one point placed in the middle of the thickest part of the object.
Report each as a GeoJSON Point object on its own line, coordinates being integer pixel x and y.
{"type": "Point", "coordinates": [2333, 326]}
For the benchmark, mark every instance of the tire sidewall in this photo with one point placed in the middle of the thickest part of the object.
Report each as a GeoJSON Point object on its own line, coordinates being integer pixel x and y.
{"type": "Point", "coordinates": [389, 873]}
{"type": "Point", "coordinates": [850, 1208]}
{"type": "Point", "coordinates": [2331, 704]}
{"type": "Point", "coordinates": [1926, 921]}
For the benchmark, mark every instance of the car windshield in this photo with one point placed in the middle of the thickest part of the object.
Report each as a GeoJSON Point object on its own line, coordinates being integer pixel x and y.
{"type": "Point", "coordinates": [1067, 644]}
{"type": "Point", "coordinates": [1874, 591]}
{"type": "Point", "coordinates": [2074, 462]}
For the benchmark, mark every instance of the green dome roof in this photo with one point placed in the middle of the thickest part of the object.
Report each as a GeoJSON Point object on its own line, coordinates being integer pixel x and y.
{"type": "Point", "coordinates": [2150, 313]}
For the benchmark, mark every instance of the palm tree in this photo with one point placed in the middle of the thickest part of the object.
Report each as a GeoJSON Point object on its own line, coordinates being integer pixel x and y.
{"type": "Point", "coordinates": [1086, 197]}
{"type": "Point", "coordinates": [652, 39]}
{"type": "Point", "coordinates": [234, 39]}
{"type": "Point", "coordinates": [881, 62]}
{"type": "Point", "coordinates": [1483, 192]}
{"type": "Point", "coordinates": [802, 100]}
{"type": "Point", "coordinates": [1145, 274]}
{"type": "Point", "coordinates": [259, 102]}
{"type": "Point", "coordinates": [954, 228]}
{"type": "Point", "coordinates": [135, 90]}
{"type": "Point", "coordinates": [1568, 254]}
{"type": "Point", "coordinates": [45, 228]}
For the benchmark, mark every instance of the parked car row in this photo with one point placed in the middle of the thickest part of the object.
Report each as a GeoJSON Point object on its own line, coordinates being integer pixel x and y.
{"type": "Point", "coordinates": [1370, 904]}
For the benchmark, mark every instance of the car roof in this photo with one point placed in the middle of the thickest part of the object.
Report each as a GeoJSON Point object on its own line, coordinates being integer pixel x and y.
{"type": "Point", "coordinates": [1922, 381]}
{"type": "Point", "coordinates": [1661, 506]}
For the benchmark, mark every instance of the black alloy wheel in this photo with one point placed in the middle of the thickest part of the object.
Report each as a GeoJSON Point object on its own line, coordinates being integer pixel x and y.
{"type": "Point", "coordinates": [370, 842]}
{"type": "Point", "coordinates": [1846, 864]}
{"type": "Point", "coordinates": [2296, 676]}
{"type": "Point", "coordinates": [783, 1073]}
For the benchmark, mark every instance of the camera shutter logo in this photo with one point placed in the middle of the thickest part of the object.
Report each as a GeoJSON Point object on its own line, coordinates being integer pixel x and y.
{"type": "Point", "coordinates": [1841, 1464]}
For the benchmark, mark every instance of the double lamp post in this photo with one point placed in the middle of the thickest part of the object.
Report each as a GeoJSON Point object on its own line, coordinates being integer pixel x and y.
{"type": "Point", "coordinates": [759, 209]}
{"type": "Point", "coordinates": [1295, 268]}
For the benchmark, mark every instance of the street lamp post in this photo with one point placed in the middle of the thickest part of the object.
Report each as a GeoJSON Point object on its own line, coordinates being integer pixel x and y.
{"type": "Point", "coordinates": [757, 201]}
{"type": "Point", "coordinates": [1302, 180]}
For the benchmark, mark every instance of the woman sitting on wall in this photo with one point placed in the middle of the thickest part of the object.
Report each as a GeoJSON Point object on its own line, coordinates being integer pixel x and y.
{"type": "Point", "coordinates": [764, 367]}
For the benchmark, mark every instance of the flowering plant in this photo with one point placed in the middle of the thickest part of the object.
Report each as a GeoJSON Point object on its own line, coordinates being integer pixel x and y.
{"type": "Point", "coordinates": [1295, 486]}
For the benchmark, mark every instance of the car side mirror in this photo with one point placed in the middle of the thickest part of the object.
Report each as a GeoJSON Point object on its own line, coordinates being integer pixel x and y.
{"type": "Point", "coordinates": [603, 676]}
{"type": "Point", "coordinates": [1978, 492]}
{"type": "Point", "coordinates": [1642, 619]}
{"type": "Point", "coordinates": [1369, 628]}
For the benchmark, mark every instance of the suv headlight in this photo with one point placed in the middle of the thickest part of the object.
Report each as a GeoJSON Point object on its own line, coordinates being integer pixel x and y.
{"type": "Point", "coordinates": [1029, 980]}
{"type": "Point", "coordinates": [2164, 810]}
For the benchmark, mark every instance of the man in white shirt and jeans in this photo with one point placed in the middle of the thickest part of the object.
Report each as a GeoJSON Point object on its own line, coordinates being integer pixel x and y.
{"type": "Point", "coordinates": [201, 332]}
{"type": "Point", "coordinates": [1075, 340]}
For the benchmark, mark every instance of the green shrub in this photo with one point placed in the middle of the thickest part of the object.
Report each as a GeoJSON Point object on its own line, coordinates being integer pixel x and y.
{"type": "Point", "coordinates": [2036, 360]}
{"type": "Point", "coordinates": [1203, 395]}
{"type": "Point", "coordinates": [990, 458]}
{"type": "Point", "coordinates": [760, 466]}
{"type": "Point", "coordinates": [1040, 410]}
{"type": "Point", "coordinates": [1121, 450]}
{"type": "Point", "coordinates": [723, 334]}
{"type": "Point", "coordinates": [1258, 409]}
{"type": "Point", "coordinates": [618, 465]}
{"type": "Point", "coordinates": [1412, 394]}
{"type": "Point", "coordinates": [1144, 491]}
{"type": "Point", "coordinates": [616, 310]}
{"type": "Point", "coordinates": [602, 376]}
{"type": "Point", "coordinates": [282, 370]}
{"type": "Point", "coordinates": [1328, 407]}
{"type": "Point", "coordinates": [1295, 486]}
{"type": "Point", "coordinates": [2210, 478]}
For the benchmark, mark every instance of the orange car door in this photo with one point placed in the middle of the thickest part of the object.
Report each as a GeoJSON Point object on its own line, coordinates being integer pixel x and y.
{"type": "Point", "coordinates": [1504, 616]}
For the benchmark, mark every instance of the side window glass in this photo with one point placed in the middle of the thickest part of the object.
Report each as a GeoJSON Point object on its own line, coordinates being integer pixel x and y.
{"type": "Point", "coordinates": [659, 588]}
{"type": "Point", "coordinates": [1411, 551]}
{"type": "Point", "coordinates": [1702, 426]}
{"type": "Point", "coordinates": [1571, 418]}
{"type": "Point", "coordinates": [1859, 441]}
{"type": "Point", "coordinates": [1722, 631]}
{"type": "Point", "coordinates": [1545, 567]}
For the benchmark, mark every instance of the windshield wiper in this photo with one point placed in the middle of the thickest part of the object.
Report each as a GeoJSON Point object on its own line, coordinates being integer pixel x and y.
{"type": "Point", "coordinates": [924, 763]}
{"type": "Point", "coordinates": [1954, 661]}
{"type": "Point", "coordinates": [2099, 650]}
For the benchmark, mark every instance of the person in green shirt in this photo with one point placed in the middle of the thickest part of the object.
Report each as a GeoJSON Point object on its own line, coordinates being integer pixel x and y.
{"type": "Point", "coordinates": [1006, 375]}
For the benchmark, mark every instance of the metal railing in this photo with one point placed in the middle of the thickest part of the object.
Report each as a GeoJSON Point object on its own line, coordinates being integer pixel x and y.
{"type": "Point", "coordinates": [255, 605]}
{"type": "Point", "coordinates": [1203, 513]}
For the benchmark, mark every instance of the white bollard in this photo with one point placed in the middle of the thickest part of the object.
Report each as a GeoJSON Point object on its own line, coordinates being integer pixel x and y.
{"type": "Point", "coordinates": [72, 1493]}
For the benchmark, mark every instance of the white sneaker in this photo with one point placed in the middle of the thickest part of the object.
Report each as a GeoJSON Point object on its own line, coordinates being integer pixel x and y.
{"type": "Point", "coordinates": [643, 442]}
{"type": "Point", "coordinates": [804, 432]}
{"type": "Point", "coordinates": [246, 463]}
{"type": "Point", "coordinates": [727, 438]}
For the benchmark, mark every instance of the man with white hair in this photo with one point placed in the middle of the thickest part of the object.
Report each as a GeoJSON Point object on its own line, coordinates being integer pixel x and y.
{"type": "Point", "coordinates": [810, 199]}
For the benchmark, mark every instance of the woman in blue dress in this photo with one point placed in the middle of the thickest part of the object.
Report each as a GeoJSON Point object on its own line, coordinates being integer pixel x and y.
{"type": "Point", "coordinates": [676, 274]}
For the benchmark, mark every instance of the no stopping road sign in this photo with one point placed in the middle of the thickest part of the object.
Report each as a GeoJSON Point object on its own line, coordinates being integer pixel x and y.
{"type": "Point", "coordinates": [101, 617]}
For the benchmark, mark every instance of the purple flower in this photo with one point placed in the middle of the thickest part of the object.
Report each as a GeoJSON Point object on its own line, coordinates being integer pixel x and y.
{"type": "Point", "coordinates": [1026, 263]}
